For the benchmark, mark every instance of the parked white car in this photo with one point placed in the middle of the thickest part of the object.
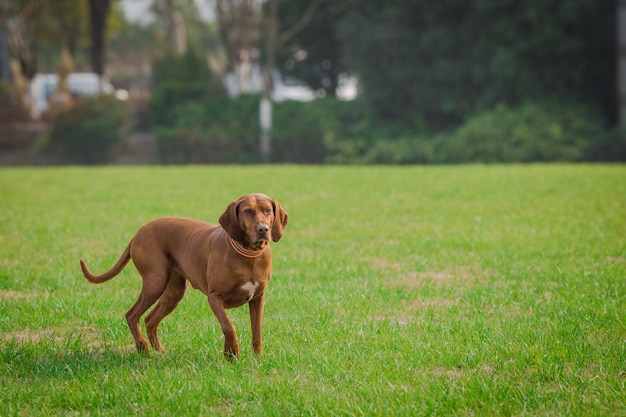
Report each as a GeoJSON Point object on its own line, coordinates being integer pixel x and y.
{"type": "Point", "coordinates": [81, 84]}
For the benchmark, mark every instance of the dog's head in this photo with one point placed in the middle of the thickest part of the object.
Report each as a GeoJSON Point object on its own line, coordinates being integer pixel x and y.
{"type": "Point", "coordinates": [254, 220]}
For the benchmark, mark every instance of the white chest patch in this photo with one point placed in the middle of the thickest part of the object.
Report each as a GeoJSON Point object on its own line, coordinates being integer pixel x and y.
{"type": "Point", "coordinates": [251, 288]}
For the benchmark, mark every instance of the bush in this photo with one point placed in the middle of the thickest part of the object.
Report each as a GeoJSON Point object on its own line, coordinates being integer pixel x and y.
{"type": "Point", "coordinates": [179, 80]}
{"type": "Point", "coordinates": [609, 146]}
{"type": "Point", "coordinates": [532, 132]}
{"type": "Point", "coordinates": [401, 152]}
{"type": "Point", "coordinates": [193, 118]}
{"type": "Point", "coordinates": [213, 130]}
{"type": "Point", "coordinates": [300, 130]}
{"type": "Point", "coordinates": [88, 132]}
{"type": "Point", "coordinates": [197, 123]}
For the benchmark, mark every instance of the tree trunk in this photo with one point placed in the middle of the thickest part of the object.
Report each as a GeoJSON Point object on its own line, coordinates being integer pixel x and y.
{"type": "Point", "coordinates": [14, 21]}
{"type": "Point", "coordinates": [265, 109]}
{"type": "Point", "coordinates": [238, 28]}
{"type": "Point", "coordinates": [5, 74]}
{"type": "Point", "coordinates": [177, 30]}
{"type": "Point", "coordinates": [621, 61]}
{"type": "Point", "coordinates": [274, 38]}
{"type": "Point", "coordinates": [98, 13]}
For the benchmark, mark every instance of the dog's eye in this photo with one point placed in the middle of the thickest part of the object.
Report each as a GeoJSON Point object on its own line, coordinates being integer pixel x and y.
{"type": "Point", "coordinates": [247, 211]}
{"type": "Point", "coordinates": [268, 211]}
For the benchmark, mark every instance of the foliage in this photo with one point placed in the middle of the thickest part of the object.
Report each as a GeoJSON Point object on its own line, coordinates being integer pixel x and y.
{"type": "Point", "coordinates": [442, 61]}
{"type": "Point", "coordinates": [177, 80]}
{"type": "Point", "coordinates": [401, 151]}
{"type": "Point", "coordinates": [223, 130]}
{"type": "Point", "coordinates": [548, 130]}
{"type": "Point", "coordinates": [608, 146]}
{"type": "Point", "coordinates": [193, 118]}
{"type": "Point", "coordinates": [52, 25]}
{"type": "Point", "coordinates": [299, 129]}
{"type": "Point", "coordinates": [396, 291]}
{"type": "Point", "coordinates": [531, 132]}
{"type": "Point", "coordinates": [317, 131]}
{"type": "Point", "coordinates": [443, 82]}
{"type": "Point", "coordinates": [65, 23]}
{"type": "Point", "coordinates": [313, 55]}
{"type": "Point", "coordinates": [197, 123]}
{"type": "Point", "coordinates": [185, 69]}
{"type": "Point", "coordinates": [212, 130]}
{"type": "Point", "coordinates": [88, 132]}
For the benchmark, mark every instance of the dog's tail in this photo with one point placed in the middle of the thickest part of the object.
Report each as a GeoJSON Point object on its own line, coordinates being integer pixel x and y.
{"type": "Point", "coordinates": [117, 268]}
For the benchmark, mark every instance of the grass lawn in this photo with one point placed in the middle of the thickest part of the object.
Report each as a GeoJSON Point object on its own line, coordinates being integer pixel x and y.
{"type": "Point", "coordinates": [397, 291]}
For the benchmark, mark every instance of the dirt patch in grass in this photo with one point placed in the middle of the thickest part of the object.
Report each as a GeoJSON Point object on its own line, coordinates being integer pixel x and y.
{"type": "Point", "coordinates": [467, 275]}
{"type": "Point", "coordinates": [458, 372]}
{"type": "Point", "coordinates": [431, 302]}
{"type": "Point", "coordinates": [21, 295]}
{"type": "Point", "coordinates": [77, 338]}
{"type": "Point", "coordinates": [614, 260]}
{"type": "Point", "coordinates": [409, 311]}
{"type": "Point", "coordinates": [85, 335]}
{"type": "Point", "coordinates": [451, 373]}
{"type": "Point", "coordinates": [12, 295]}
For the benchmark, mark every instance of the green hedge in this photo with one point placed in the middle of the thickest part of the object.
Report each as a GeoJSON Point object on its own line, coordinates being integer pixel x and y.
{"type": "Point", "coordinates": [531, 132]}
{"type": "Point", "coordinates": [542, 131]}
{"type": "Point", "coordinates": [215, 130]}
{"type": "Point", "coordinates": [197, 123]}
{"type": "Point", "coordinates": [610, 146]}
{"type": "Point", "coordinates": [223, 130]}
{"type": "Point", "coordinates": [88, 132]}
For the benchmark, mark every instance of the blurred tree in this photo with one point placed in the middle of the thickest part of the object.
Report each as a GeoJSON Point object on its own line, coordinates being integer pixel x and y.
{"type": "Point", "coordinates": [621, 62]}
{"type": "Point", "coordinates": [313, 55]}
{"type": "Point", "coordinates": [170, 12]}
{"type": "Point", "coordinates": [18, 18]}
{"type": "Point", "coordinates": [275, 35]}
{"type": "Point", "coordinates": [238, 22]}
{"type": "Point", "coordinates": [98, 15]}
{"type": "Point", "coordinates": [433, 63]}
{"type": "Point", "coordinates": [241, 24]}
{"type": "Point", "coordinates": [104, 15]}
{"type": "Point", "coordinates": [38, 29]}
{"type": "Point", "coordinates": [65, 25]}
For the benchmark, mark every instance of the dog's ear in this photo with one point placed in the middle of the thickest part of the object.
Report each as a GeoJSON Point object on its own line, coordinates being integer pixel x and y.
{"type": "Point", "coordinates": [280, 221]}
{"type": "Point", "coordinates": [229, 220]}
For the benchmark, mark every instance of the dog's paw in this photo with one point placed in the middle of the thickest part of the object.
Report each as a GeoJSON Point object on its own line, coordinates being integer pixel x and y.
{"type": "Point", "coordinates": [231, 353]}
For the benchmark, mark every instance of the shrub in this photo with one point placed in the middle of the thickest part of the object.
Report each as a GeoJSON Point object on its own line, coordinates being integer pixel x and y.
{"type": "Point", "coordinates": [299, 130]}
{"type": "Point", "coordinates": [88, 132]}
{"type": "Point", "coordinates": [531, 132]}
{"type": "Point", "coordinates": [609, 146]}
{"type": "Point", "coordinates": [212, 130]}
{"type": "Point", "coordinates": [179, 80]}
{"type": "Point", "coordinates": [193, 118]}
{"type": "Point", "coordinates": [401, 152]}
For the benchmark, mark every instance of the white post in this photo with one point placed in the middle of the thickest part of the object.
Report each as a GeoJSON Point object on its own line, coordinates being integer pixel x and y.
{"type": "Point", "coordinates": [265, 119]}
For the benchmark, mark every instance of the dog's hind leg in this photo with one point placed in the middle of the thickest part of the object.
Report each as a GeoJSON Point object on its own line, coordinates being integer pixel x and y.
{"type": "Point", "coordinates": [174, 292]}
{"type": "Point", "coordinates": [150, 293]}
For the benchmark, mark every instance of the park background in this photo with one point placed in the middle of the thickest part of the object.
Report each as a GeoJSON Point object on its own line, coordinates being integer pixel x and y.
{"type": "Point", "coordinates": [214, 81]}
{"type": "Point", "coordinates": [439, 287]}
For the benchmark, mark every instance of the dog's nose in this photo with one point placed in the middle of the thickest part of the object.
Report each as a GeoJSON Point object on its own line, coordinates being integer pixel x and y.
{"type": "Point", "coordinates": [262, 229]}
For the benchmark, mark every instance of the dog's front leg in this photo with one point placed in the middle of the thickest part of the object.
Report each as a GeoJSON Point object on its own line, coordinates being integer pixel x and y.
{"type": "Point", "coordinates": [256, 320]}
{"type": "Point", "coordinates": [231, 344]}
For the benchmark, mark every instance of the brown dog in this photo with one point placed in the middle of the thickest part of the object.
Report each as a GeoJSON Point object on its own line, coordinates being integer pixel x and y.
{"type": "Point", "coordinates": [231, 264]}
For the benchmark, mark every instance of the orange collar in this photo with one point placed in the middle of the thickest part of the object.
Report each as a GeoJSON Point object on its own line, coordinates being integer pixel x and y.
{"type": "Point", "coordinates": [248, 253]}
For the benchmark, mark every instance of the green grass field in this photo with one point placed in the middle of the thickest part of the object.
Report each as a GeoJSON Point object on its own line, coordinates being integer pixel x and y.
{"type": "Point", "coordinates": [397, 291]}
